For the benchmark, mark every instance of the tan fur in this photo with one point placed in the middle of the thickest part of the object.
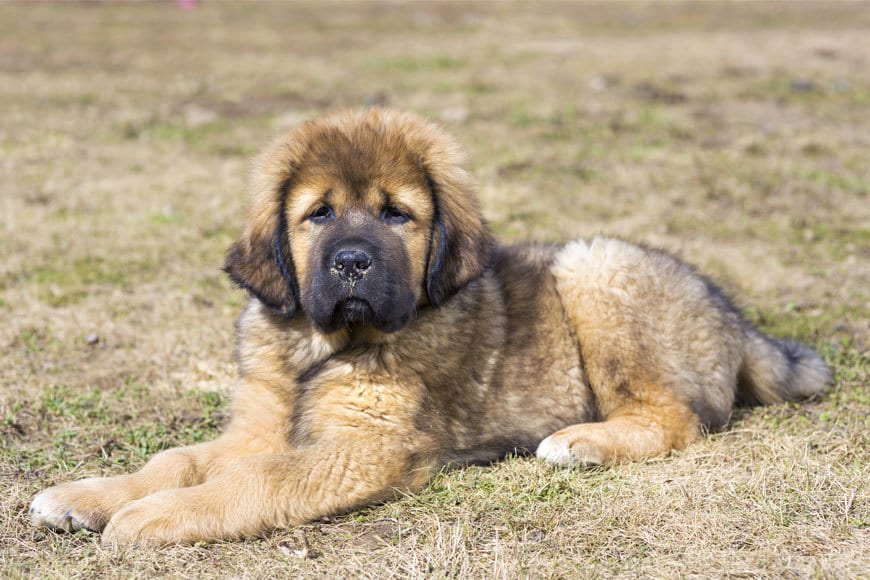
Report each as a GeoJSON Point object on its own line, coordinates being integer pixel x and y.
{"type": "Point", "coordinates": [588, 353]}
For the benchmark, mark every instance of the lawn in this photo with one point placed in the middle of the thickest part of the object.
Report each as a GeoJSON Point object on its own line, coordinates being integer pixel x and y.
{"type": "Point", "coordinates": [736, 135]}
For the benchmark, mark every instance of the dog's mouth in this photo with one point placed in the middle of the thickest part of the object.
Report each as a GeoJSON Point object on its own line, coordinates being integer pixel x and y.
{"type": "Point", "coordinates": [352, 311]}
{"type": "Point", "coordinates": [357, 312]}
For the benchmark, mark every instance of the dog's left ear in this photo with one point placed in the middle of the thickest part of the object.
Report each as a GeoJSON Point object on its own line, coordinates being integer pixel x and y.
{"type": "Point", "coordinates": [260, 261]}
{"type": "Point", "coordinates": [461, 245]}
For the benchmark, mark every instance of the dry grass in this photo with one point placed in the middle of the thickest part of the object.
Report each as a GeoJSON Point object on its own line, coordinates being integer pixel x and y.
{"type": "Point", "coordinates": [734, 135]}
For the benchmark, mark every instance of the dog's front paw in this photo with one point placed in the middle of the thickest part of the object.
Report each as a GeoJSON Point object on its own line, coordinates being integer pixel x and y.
{"type": "Point", "coordinates": [137, 523]}
{"type": "Point", "coordinates": [73, 506]}
{"type": "Point", "coordinates": [166, 517]}
{"type": "Point", "coordinates": [143, 521]}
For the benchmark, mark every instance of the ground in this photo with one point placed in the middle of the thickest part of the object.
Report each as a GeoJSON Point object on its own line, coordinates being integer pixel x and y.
{"type": "Point", "coordinates": [735, 135]}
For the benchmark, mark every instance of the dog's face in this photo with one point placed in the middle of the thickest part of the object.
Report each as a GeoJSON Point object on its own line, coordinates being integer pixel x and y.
{"type": "Point", "coordinates": [360, 218]}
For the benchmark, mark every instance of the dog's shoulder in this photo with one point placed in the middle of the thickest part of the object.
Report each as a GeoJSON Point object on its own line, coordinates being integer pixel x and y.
{"type": "Point", "coordinates": [522, 271]}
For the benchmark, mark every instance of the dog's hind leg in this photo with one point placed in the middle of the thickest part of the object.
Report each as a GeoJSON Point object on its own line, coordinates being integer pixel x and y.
{"type": "Point", "coordinates": [639, 429]}
{"type": "Point", "coordinates": [661, 349]}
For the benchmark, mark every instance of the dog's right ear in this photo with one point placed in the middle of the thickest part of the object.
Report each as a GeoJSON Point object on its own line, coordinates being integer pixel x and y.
{"type": "Point", "coordinates": [261, 262]}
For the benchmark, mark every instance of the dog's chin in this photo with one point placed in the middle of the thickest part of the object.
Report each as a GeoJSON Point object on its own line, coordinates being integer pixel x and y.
{"type": "Point", "coordinates": [353, 311]}
{"type": "Point", "coordinates": [357, 312]}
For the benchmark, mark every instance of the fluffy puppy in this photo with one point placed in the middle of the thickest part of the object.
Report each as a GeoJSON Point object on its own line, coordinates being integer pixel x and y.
{"type": "Point", "coordinates": [387, 336]}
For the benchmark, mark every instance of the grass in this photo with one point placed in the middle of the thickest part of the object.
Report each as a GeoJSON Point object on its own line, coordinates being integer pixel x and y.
{"type": "Point", "coordinates": [734, 136]}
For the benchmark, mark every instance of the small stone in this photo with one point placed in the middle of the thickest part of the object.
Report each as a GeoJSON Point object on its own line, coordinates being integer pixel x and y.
{"type": "Point", "coordinates": [92, 339]}
{"type": "Point", "coordinates": [298, 547]}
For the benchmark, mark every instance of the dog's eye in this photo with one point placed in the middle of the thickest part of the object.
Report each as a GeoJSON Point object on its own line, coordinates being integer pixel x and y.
{"type": "Point", "coordinates": [394, 216]}
{"type": "Point", "coordinates": [322, 214]}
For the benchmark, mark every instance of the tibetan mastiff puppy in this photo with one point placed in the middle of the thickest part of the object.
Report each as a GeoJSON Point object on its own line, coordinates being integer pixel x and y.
{"type": "Point", "coordinates": [388, 336]}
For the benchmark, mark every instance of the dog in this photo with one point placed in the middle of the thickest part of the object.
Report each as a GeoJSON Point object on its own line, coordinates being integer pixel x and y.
{"type": "Point", "coordinates": [388, 336]}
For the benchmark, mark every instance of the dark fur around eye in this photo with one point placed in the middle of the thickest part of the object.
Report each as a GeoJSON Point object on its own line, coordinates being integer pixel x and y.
{"type": "Point", "coordinates": [394, 216]}
{"type": "Point", "coordinates": [322, 215]}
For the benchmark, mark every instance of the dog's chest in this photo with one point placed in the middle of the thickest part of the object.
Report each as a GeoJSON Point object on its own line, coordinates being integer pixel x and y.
{"type": "Point", "coordinates": [349, 398]}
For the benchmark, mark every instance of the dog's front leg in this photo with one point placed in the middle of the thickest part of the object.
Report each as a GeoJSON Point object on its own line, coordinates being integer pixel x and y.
{"type": "Point", "coordinates": [256, 429]}
{"type": "Point", "coordinates": [271, 491]}
{"type": "Point", "coordinates": [89, 503]}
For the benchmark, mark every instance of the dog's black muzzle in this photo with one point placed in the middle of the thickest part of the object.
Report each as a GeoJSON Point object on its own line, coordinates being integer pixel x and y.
{"type": "Point", "coordinates": [360, 278]}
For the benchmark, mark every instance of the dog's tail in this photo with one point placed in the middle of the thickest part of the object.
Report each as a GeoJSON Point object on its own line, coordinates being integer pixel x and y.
{"type": "Point", "coordinates": [777, 370]}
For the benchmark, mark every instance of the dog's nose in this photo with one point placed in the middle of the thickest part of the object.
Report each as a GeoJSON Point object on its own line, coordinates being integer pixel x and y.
{"type": "Point", "coordinates": [351, 264]}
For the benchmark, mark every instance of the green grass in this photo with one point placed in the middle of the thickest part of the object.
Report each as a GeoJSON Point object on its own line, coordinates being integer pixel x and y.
{"type": "Point", "coordinates": [65, 283]}
{"type": "Point", "coordinates": [426, 64]}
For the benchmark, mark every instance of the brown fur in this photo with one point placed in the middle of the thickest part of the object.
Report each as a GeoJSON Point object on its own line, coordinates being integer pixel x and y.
{"type": "Point", "coordinates": [439, 349]}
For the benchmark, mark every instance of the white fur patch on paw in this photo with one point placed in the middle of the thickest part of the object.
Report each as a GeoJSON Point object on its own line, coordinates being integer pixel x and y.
{"type": "Point", "coordinates": [554, 451]}
{"type": "Point", "coordinates": [50, 511]}
{"type": "Point", "coordinates": [557, 451]}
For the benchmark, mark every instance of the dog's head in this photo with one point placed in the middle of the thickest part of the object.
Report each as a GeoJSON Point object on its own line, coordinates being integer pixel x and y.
{"type": "Point", "coordinates": [360, 218]}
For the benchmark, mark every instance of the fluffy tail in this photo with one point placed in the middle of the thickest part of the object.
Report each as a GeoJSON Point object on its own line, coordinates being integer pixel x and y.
{"type": "Point", "coordinates": [777, 370]}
